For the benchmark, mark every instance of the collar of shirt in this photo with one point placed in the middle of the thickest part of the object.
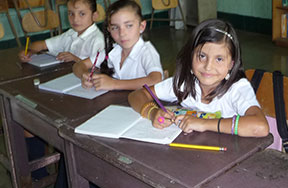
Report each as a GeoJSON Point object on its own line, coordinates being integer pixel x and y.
{"type": "Point", "coordinates": [116, 51]}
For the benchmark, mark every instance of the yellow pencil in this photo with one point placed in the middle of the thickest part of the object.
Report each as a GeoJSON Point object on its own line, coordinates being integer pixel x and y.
{"type": "Point", "coordinates": [215, 148]}
{"type": "Point", "coordinates": [27, 44]}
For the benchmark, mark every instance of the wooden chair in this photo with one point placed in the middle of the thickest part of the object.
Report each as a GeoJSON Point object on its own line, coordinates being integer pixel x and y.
{"type": "Point", "coordinates": [101, 13]}
{"type": "Point", "coordinates": [36, 21]}
{"type": "Point", "coordinates": [1, 31]}
{"type": "Point", "coordinates": [59, 3]}
{"type": "Point", "coordinates": [4, 8]}
{"type": "Point", "coordinates": [164, 5]}
{"type": "Point", "coordinates": [265, 95]}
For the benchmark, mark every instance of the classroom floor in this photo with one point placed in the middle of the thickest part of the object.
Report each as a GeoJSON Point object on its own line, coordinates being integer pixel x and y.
{"type": "Point", "coordinates": [258, 51]}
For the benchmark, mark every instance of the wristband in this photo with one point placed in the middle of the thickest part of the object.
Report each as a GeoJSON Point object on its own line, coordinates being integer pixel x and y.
{"type": "Point", "coordinates": [233, 123]}
{"type": "Point", "coordinates": [236, 125]}
{"type": "Point", "coordinates": [218, 125]}
{"type": "Point", "coordinates": [150, 110]}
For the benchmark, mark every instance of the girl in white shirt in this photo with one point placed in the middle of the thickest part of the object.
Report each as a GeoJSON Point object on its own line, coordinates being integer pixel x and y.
{"type": "Point", "coordinates": [131, 61]}
{"type": "Point", "coordinates": [83, 40]}
{"type": "Point", "coordinates": [209, 77]}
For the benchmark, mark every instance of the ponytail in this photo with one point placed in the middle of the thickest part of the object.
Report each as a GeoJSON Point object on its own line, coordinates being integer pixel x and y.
{"type": "Point", "coordinates": [104, 69]}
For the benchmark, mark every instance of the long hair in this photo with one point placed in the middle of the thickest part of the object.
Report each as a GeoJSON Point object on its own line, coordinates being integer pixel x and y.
{"type": "Point", "coordinates": [112, 9]}
{"type": "Point", "coordinates": [207, 31]}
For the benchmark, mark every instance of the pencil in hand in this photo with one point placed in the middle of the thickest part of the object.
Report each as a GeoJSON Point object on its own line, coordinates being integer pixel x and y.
{"type": "Point", "coordinates": [27, 44]}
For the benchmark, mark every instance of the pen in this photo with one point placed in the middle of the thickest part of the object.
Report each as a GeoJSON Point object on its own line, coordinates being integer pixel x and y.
{"type": "Point", "coordinates": [155, 98]}
{"type": "Point", "coordinates": [27, 44]}
{"type": "Point", "coordinates": [215, 148]}
{"type": "Point", "coordinates": [93, 66]}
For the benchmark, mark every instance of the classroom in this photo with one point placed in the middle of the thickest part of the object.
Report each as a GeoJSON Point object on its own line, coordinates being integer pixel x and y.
{"type": "Point", "coordinates": [47, 100]}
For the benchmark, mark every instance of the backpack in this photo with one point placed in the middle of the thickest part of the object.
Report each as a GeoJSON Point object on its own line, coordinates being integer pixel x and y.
{"type": "Point", "coordinates": [279, 100]}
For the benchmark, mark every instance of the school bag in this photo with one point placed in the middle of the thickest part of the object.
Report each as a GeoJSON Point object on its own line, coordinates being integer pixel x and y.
{"type": "Point", "coordinates": [276, 82]}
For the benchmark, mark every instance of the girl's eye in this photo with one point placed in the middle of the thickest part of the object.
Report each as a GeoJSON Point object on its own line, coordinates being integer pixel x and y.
{"type": "Point", "coordinates": [219, 59]}
{"type": "Point", "coordinates": [82, 14]}
{"type": "Point", "coordinates": [129, 25]}
{"type": "Point", "coordinates": [202, 57]}
{"type": "Point", "coordinates": [113, 28]}
{"type": "Point", "coordinates": [70, 14]}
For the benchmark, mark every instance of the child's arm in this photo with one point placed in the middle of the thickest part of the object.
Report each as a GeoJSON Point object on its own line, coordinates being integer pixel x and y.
{"type": "Point", "coordinates": [253, 124]}
{"type": "Point", "coordinates": [81, 70]}
{"type": "Point", "coordinates": [34, 48]}
{"type": "Point", "coordinates": [67, 57]}
{"type": "Point", "coordinates": [104, 82]}
{"type": "Point", "coordinates": [140, 100]}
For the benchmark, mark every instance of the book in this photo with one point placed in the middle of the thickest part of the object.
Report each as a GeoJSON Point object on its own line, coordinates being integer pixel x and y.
{"type": "Point", "coordinates": [123, 122]}
{"type": "Point", "coordinates": [43, 60]}
{"type": "Point", "coordinates": [71, 85]}
{"type": "Point", "coordinates": [284, 3]}
{"type": "Point", "coordinates": [284, 25]}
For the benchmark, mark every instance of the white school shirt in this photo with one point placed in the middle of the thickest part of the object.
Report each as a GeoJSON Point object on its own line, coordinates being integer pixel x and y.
{"type": "Point", "coordinates": [142, 60]}
{"type": "Point", "coordinates": [239, 97]}
{"type": "Point", "coordinates": [83, 46]}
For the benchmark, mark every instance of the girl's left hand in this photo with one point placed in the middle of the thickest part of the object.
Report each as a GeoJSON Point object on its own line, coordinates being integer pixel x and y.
{"type": "Point", "coordinates": [190, 123]}
{"type": "Point", "coordinates": [67, 57]}
{"type": "Point", "coordinates": [102, 82]}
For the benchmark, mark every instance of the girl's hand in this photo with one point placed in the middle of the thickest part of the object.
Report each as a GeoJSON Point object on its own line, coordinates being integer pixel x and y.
{"type": "Point", "coordinates": [161, 119]}
{"type": "Point", "coordinates": [103, 82]}
{"type": "Point", "coordinates": [25, 58]}
{"type": "Point", "coordinates": [67, 57]}
{"type": "Point", "coordinates": [190, 123]}
{"type": "Point", "coordinates": [86, 81]}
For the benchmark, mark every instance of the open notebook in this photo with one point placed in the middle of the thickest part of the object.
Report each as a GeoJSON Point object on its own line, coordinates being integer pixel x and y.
{"type": "Point", "coordinates": [123, 122]}
{"type": "Point", "coordinates": [71, 85]}
{"type": "Point", "coordinates": [43, 60]}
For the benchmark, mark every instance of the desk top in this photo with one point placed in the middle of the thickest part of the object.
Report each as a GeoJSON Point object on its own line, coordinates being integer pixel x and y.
{"type": "Point", "coordinates": [160, 165]}
{"type": "Point", "coordinates": [12, 69]}
{"type": "Point", "coordinates": [54, 107]}
{"type": "Point", "coordinates": [268, 168]}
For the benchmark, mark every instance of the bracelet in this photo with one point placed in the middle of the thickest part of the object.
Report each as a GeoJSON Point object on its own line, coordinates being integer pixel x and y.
{"type": "Point", "coordinates": [218, 125]}
{"type": "Point", "coordinates": [150, 110]}
{"type": "Point", "coordinates": [146, 106]}
{"type": "Point", "coordinates": [236, 125]}
{"type": "Point", "coordinates": [233, 123]}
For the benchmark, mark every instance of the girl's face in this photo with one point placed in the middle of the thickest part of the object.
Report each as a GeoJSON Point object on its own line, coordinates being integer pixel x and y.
{"type": "Point", "coordinates": [80, 16]}
{"type": "Point", "coordinates": [211, 64]}
{"type": "Point", "coordinates": [125, 28]}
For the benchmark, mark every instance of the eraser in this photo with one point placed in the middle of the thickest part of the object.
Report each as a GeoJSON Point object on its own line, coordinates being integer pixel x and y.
{"type": "Point", "coordinates": [36, 82]}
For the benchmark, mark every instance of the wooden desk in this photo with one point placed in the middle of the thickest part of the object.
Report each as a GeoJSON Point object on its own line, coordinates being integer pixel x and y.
{"type": "Point", "coordinates": [24, 106]}
{"type": "Point", "coordinates": [126, 163]}
{"type": "Point", "coordinates": [268, 168]}
{"type": "Point", "coordinates": [12, 69]}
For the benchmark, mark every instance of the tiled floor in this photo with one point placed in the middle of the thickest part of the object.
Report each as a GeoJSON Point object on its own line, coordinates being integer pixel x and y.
{"type": "Point", "coordinates": [258, 51]}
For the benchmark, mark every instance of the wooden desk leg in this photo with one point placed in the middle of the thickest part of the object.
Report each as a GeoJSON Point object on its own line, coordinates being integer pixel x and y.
{"type": "Point", "coordinates": [17, 156]}
{"type": "Point", "coordinates": [74, 179]}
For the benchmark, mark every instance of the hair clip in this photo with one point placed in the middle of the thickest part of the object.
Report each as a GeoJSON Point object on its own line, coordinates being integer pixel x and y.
{"type": "Point", "coordinates": [225, 33]}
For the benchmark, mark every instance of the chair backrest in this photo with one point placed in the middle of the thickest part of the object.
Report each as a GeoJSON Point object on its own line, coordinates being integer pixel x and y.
{"type": "Point", "coordinates": [265, 93]}
{"type": "Point", "coordinates": [1, 30]}
{"type": "Point", "coordinates": [101, 13]}
{"type": "Point", "coordinates": [29, 24]}
{"type": "Point", "coordinates": [164, 4]}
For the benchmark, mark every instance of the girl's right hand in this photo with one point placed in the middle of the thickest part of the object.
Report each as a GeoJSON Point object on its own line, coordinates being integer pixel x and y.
{"type": "Point", "coordinates": [86, 81]}
{"type": "Point", "coordinates": [25, 58]}
{"type": "Point", "coordinates": [161, 119]}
